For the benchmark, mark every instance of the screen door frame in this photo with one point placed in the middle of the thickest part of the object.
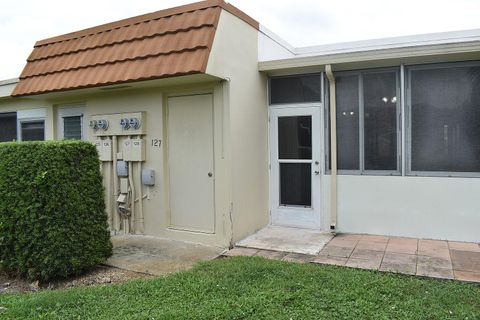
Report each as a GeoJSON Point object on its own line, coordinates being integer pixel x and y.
{"type": "Point", "coordinates": [295, 215]}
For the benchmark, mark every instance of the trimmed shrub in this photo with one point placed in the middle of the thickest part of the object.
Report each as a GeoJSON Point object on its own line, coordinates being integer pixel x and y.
{"type": "Point", "coordinates": [53, 222]}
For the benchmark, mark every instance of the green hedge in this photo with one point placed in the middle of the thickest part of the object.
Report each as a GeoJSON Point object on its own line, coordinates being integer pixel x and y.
{"type": "Point", "coordinates": [53, 222]}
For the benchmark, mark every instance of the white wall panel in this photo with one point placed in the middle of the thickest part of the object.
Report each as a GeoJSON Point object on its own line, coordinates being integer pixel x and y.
{"type": "Point", "coordinates": [423, 207]}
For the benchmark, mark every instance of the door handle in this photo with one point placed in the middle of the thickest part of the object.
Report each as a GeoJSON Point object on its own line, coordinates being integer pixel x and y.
{"type": "Point", "coordinates": [317, 173]}
{"type": "Point", "coordinates": [210, 174]}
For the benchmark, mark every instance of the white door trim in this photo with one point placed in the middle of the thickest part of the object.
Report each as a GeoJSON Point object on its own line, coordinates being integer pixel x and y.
{"type": "Point", "coordinates": [290, 215]}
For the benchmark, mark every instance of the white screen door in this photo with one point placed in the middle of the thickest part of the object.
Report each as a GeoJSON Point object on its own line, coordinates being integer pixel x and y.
{"type": "Point", "coordinates": [295, 166]}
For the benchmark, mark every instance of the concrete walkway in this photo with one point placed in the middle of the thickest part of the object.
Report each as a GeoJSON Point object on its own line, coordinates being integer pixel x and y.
{"type": "Point", "coordinates": [158, 256]}
{"type": "Point", "coordinates": [277, 238]}
{"type": "Point", "coordinates": [430, 258]}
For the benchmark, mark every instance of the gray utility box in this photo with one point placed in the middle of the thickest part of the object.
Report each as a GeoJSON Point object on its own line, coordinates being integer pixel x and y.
{"type": "Point", "coordinates": [122, 168]}
{"type": "Point", "coordinates": [148, 177]}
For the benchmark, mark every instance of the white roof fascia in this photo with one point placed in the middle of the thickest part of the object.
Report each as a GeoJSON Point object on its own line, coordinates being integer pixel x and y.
{"type": "Point", "coordinates": [390, 48]}
{"type": "Point", "coordinates": [396, 53]}
{"type": "Point", "coordinates": [272, 47]}
{"type": "Point", "coordinates": [277, 39]}
{"type": "Point", "coordinates": [395, 42]}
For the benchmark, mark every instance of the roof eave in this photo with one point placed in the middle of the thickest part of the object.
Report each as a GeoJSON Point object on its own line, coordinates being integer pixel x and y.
{"type": "Point", "coordinates": [369, 55]}
{"type": "Point", "coordinates": [105, 84]}
{"type": "Point", "coordinates": [133, 86]}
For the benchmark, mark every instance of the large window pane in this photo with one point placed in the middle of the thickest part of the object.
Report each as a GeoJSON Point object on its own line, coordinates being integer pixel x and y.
{"type": "Point", "coordinates": [72, 127]}
{"type": "Point", "coordinates": [33, 130]}
{"type": "Point", "coordinates": [303, 88]}
{"type": "Point", "coordinates": [295, 137]}
{"type": "Point", "coordinates": [296, 184]}
{"type": "Point", "coordinates": [445, 118]}
{"type": "Point", "coordinates": [347, 123]}
{"type": "Point", "coordinates": [8, 126]}
{"type": "Point", "coordinates": [380, 120]}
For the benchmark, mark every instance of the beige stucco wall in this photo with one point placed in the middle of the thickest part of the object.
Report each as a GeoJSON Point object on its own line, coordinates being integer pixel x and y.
{"type": "Point", "coordinates": [152, 101]}
{"type": "Point", "coordinates": [234, 56]}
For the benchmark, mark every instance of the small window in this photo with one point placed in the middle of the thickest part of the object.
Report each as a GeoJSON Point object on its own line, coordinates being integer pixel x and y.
{"type": "Point", "coordinates": [444, 118]}
{"type": "Point", "coordinates": [295, 89]}
{"type": "Point", "coordinates": [70, 122]}
{"type": "Point", "coordinates": [8, 126]}
{"type": "Point", "coordinates": [32, 130]}
{"type": "Point", "coordinates": [72, 128]}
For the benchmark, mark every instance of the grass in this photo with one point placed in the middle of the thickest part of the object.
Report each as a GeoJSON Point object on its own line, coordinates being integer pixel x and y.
{"type": "Point", "coordinates": [255, 288]}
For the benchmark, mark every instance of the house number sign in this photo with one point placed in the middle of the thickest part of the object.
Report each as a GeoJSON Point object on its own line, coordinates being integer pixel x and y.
{"type": "Point", "coordinates": [156, 143]}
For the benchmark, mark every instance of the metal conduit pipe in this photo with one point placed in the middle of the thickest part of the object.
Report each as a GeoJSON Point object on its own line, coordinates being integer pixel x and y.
{"type": "Point", "coordinates": [132, 191]}
{"type": "Point", "coordinates": [106, 175]}
{"type": "Point", "coordinates": [115, 213]}
{"type": "Point", "coordinates": [333, 147]}
{"type": "Point", "coordinates": [139, 228]}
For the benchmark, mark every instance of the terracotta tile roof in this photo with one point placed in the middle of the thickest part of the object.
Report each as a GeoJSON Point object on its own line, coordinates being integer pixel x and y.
{"type": "Point", "coordinates": [161, 44]}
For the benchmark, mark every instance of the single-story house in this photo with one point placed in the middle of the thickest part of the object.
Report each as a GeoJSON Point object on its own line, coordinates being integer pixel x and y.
{"type": "Point", "coordinates": [210, 127]}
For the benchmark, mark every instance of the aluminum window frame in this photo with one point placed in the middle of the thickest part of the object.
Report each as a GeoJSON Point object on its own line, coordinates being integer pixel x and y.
{"type": "Point", "coordinates": [300, 104]}
{"type": "Point", "coordinates": [16, 123]}
{"type": "Point", "coordinates": [30, 120]}
{"type": "Point", "coordinates": [72, 110]}
{"type": "Point", "coordinates": [408, 120]}
{"type": "Point", "coordinates": [31, 115]}
{"type": "Point", "coordinates": [361, 120]}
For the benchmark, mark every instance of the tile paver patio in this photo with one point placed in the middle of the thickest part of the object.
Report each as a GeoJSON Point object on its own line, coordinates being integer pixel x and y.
{"type": "Point", "coordinates": [338, 261]}
{"type": "Point", "coordinates": [399, 262]}
{"type": "Point", "coordinates": [402, 245]}
{"type": "Point", "coordinates": [298, 257]}
{"type": "Point", "coordinates": [270, 254]}
{"type": "Point", "coordinates": [430, 258]}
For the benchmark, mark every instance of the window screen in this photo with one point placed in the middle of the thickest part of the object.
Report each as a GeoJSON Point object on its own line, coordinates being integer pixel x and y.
{"type": "Point", "coordinates": [348, 147]}
{"type": "Point", "coordinates": [33, 130]}
{"type": "Point", "coordinates": [296, 184]}
{"type": "Point", "coordinates": [8, 126]}
{"type": "Point", "coordinates": [380, 121]}
{"type": "Point", "coordinates": [295, 89]}
{"type": "Point", "coordinates": [367, 124]}
{"type": "Point", "coordinates": [295, 137]}
{"type": "Point", "coordinates": [295, 145]}
{"type": "Point", "coordinates": [445, 118]}
{"type": "Point", "coordinates": [72, 127]}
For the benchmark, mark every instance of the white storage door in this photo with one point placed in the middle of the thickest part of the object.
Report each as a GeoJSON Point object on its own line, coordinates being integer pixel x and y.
{"type": "Point", "coordinates": [190, 161]}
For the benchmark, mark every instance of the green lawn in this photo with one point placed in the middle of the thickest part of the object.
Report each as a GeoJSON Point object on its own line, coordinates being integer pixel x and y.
{"type": "Point", "coordinates": [255, 288]}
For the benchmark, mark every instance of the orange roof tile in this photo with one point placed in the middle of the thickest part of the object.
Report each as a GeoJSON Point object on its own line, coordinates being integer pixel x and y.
{"type": "Point", "coordinates": [161, 44]}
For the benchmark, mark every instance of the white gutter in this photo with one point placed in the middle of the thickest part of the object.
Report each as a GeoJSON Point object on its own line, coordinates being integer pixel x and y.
{"type": "Point", "coordinates": [333, 147]}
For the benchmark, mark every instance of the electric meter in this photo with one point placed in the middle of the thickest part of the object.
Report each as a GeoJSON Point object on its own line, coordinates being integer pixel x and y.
{"type": "Point", "coordinates": [134, 123]}
{"type": "Point", "coordinates": [124, 123]}
{"type": "Point", "coordinates": [93, 124]}
{"type": "Point", "coordinates": [102, 124]}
